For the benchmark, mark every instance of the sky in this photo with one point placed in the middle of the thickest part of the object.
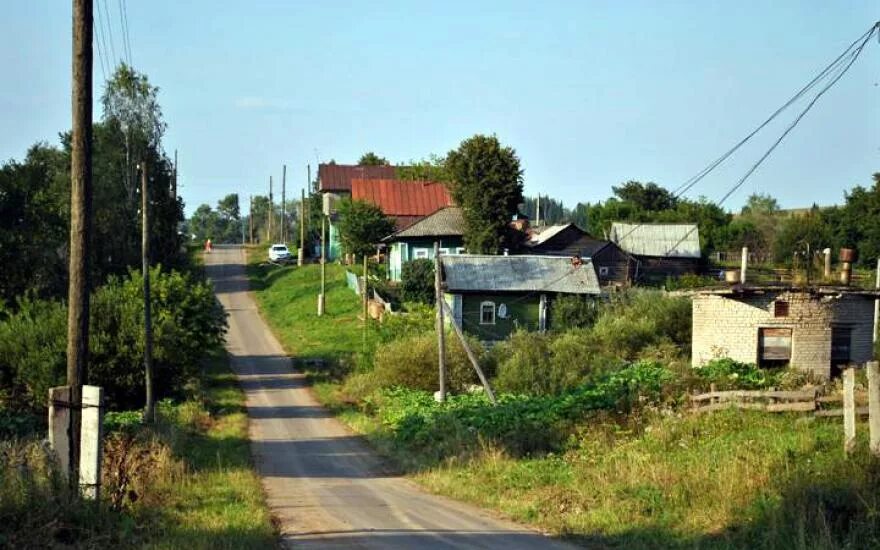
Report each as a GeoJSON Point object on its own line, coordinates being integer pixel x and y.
{"type": "Point", "coordinates": [589, 94]}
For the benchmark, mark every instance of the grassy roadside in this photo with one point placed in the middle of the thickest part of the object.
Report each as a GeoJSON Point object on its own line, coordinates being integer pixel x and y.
{"type": "Point", "coordinates": [655, 480]}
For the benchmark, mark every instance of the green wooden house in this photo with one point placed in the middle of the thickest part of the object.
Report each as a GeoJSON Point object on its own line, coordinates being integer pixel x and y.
{"type": "Point", "coordinates": [445, 227]}
{"type": "Point", "coordinates": [491, 296]}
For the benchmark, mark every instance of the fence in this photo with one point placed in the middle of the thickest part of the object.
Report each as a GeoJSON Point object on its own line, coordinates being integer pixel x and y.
{"type": "Point", "coordinates": [809, 400]}
{"type": "Point", "coordinates": [354, 282]}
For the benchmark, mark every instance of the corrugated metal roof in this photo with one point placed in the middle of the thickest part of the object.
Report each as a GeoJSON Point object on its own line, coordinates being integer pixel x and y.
{"type": "Point", "coordinates": [338, 177]}
{"type": "Point", "coordinates": [678, 240]}
{"type": "Point", "coordinates": [402, 198]}
{"type": "Point", "coordinates": [478, 273]}
{"type": "Point", "coordinates": [445, 222]}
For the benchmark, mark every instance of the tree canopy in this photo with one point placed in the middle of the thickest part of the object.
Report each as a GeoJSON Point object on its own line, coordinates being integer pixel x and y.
{"type": "Point", "coordinates": [361, 226]}
{"type": "Point", "coordinates": [372, 159]}
{"type": "Point", "coordinates": [487, 182]}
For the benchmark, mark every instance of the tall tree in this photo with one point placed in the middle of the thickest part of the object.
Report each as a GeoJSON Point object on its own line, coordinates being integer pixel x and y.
{"type": "Point", "coordinates": [646, 196]}
{"type": "Point", "coordinates": [361, 226]}
{"type": "Point", "coordinates": [372, 159]}
{"type": "Point", "coordinates": [487, 182]}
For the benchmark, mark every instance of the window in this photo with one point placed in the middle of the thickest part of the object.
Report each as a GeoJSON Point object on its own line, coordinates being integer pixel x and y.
{"type": "Point", "coordinates": [780, 308]}
{"type": "Point", "coordinates": [603, 271]}
{"type": "Point", "coordinates": [487, 313]}
{"type": "Point", "coordinates": [444, 251]}
{"type": "Point", "coordinates": [774, 347]}
{"type": "Point", "coordinates": [459, 250]}
{"type": "Point", "coordinates": [420, 253]}
{"type": "Point", "coordinates": [841, 346]}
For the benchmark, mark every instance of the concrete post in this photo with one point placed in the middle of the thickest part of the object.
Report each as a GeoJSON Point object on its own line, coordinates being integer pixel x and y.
{"type": "Point", "coordinates": [849, 410]}
{"type": "Point", "coordinates": [59, 424]}
{"type": "Point", "coordinates": [90, 441]}
{"type": "Point", "coordinates": [874, 406]}
{"type": "Point", "coordinates": [827, 253]}
{"type": "Point", "coordinates": [744, 265]}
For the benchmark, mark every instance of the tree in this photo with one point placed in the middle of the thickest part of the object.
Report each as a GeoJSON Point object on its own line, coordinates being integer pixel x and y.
{"type": "Point", "coordinates": [372, 159]}
{"type": "Point", "coordinates": [646, 196]}
{"type": "Point", "coordinates": [487, 182]}
{"type": "Point", "coordinates": [799, 232]}
{"type": "Point", "coordinates": [431, 169]}
{"type": "Point", "coordinates": [760, 204]}
{"type": "Point", "coordinates": [361, 226]}
{"type": "Point", "coordinates": [417, 281]}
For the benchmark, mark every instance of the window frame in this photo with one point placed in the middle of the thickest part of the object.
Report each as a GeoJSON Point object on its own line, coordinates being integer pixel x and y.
{"type": "Point", "coordinates": [483, 305]}
{"type": "Point", "coordinates": [604, 270]}
{"type": "Point", "coordinates": [418, 251]}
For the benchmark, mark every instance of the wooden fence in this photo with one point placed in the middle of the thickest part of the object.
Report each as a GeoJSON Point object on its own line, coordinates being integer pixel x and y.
{"type": "Point", "coordinates": [849, 403]}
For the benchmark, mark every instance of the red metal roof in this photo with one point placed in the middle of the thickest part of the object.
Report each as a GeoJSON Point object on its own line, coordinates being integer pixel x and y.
{"type": "Point", "coordinates": [406, 201]}
{"type": "Point", "coordinates": [338, 177]}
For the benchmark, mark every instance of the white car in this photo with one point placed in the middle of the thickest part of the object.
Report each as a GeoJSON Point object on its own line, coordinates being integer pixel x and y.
{"type": "Point", "coordinates": [279, 253]}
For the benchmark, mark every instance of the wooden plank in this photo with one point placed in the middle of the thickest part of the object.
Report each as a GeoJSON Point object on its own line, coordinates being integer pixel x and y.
{"type": "Point", "coordinates": [860, 411]}
{"type": "Point", "coordinates": [849, 410]}
{"type": "Point", "coordinates": [794, 395]}
{"type": "Point", "coordinates": [804, 406]}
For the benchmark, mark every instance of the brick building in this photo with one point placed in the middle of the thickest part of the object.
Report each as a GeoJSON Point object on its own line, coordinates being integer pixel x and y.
{"type": "Point", "coordinates": [813, 329]}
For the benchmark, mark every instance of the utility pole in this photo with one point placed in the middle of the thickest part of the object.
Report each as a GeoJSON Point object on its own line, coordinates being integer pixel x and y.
{"type": "Point", "coordinates": [269, 215]}
{"type": "Point", "coordinates": [302, 229]}
{"type": "Point", "coordinates": [80, 224]}
{"type": "Point", "coordinates": [149, 406]}
{"type": "Point", "coordinates": [321, 303]}
{"type": "Point", "coordinates": [174, 179]}
{"type": "Point", "coordinates": [251, 221]}
{"type": "Point", "coordinates": [441, 330]}
{"type": "Point", "coordinates": [283, 203]}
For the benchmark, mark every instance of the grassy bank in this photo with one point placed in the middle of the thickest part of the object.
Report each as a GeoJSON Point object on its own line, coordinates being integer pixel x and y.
{"type": "Point", "coordinates": [649, 478]}
{"type": "Point", "coordinates": [185, 483]}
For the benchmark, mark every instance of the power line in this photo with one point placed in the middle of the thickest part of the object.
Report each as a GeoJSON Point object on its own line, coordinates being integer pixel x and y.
{"type": "Point", "coordinates": [123, 22]}
{"type": "Point", "coordinates": [109, 32]}
{"type": "Point", "coordinates": [837, 68]}
{"type": "Point", "coordinates": [102, 46]}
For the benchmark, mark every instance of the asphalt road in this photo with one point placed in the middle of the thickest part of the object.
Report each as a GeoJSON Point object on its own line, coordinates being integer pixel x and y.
{"type": "Point", "coordinates": [324, 485]}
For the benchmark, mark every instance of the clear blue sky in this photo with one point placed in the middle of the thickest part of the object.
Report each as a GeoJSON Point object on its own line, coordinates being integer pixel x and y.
{"type": "Point", "coordinates": [590, 94]}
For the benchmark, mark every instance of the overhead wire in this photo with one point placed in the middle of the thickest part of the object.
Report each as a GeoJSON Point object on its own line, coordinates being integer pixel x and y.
{"type": "Point", "coordinates": [110, 33]}
{"type": "Point", "coordinates": [835, 70]}
{"type": "Point", "coordinates": [97, 39]}
{"type": "Point", "coordinates": [123, 22]}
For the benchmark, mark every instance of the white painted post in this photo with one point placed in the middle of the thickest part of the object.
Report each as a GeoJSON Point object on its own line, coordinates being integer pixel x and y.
{"type": "Point", "coordinates": [90, 441]}
{"type": "Point", "coordinates": [542, 313]}
{"type": "Point", "coordinates": [874, 406]}
{"type": "Point", "coordinates": [744, 264]}
{"type": "Point", "coordinates": [849, 410]}
{"type": "Point", "coordinates": [59, 424]}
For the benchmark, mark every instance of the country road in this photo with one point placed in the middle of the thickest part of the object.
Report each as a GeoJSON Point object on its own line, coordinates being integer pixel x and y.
{"type": "Point", "coordinates": [324, 485]}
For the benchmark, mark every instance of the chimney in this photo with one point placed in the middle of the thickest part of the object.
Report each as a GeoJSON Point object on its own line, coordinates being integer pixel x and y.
{"type": "Point", "coordinates": [847, 256]}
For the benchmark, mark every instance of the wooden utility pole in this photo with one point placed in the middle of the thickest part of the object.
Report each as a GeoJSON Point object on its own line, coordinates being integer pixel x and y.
{"type": "Point", "coordinates": [174, 179]}
{"type": "Point", "coordinates": [149, 406]}
{"type": "Point", "coordinates": [321, 303]}
{"type": "Point", "coordinates": [80, 224]}
{"type": "Point", "coordinates": [269, 215]}
{"type": "Point", "coordinates": [441, 330]}
{"type": "Point", "coordinates": [302, 229]}
{"type": "Point", "coordinates": [284, 203]}
{"type": "Point", "coordinates": [251, 221]}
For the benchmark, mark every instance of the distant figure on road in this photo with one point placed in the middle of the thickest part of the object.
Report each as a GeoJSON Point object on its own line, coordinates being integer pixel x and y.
{"type": "Point", "coordinates": [208, 246]}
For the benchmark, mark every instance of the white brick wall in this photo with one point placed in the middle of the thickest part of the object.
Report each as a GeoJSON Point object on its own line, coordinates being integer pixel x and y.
{"type": "Point", "coordinates": [728, 327]}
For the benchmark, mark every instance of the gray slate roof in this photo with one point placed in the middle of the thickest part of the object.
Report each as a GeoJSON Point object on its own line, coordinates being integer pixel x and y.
{"type": "Point", "coordinates": [478, 273]}
{"type": "Point", "coordinates": [675, 240]}
{"type": "Point", "coordinates": [445, 222]}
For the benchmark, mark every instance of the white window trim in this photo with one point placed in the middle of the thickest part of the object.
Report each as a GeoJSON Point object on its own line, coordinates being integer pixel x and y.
{"type": "Point", "coordinates": [460, 250]}
{"type": "Point", "coordinates": [421, 253]}
{"type": "Point", "coordinates": [444, 251]}
{"type": "Point", "coordinates": [603, 271]}
{"type": "Point", "coordinates": [484, 304]}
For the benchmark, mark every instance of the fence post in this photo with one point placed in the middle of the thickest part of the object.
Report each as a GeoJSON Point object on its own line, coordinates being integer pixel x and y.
{"type": "Point", "coordinates": [849, 409]}
{"type": "Point", "coordinates": [874, 406]}
{"type": "Point", "coordinates": [90, 441]}
{"type": "Point", "coordinates": [59, 424]}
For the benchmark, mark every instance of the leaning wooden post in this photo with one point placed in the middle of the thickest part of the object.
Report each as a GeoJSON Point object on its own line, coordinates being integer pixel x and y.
{"type": "Point", "coordinates": [471, 356]}
{"type": "Point", "coordinates": [849, 410]}
{"type": "Point", "coordinates": [441, 330]}
{"type": "Point", "coordinates": [874, 406]}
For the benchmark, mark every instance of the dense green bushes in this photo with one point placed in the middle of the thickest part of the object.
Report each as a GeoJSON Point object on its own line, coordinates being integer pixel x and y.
{"type": "Point", "coordinates": [187, 321]}
{"type": "Point", "coordinates": [573, 311]}
{"type": "Point", "coordinates": [417, 281]}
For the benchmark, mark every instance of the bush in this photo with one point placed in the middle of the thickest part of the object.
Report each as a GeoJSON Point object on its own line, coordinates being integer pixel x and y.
{"type": "Point", "coordinates": [187, 322]}
{"type": "Point", "coordinates": [417, 281]}
{"type": "Point", "coordinates": [573, 311]}
{"type": "Point", "coordinates": [728, 374]}
{"type": "Point", "coordinates": [411, 362]}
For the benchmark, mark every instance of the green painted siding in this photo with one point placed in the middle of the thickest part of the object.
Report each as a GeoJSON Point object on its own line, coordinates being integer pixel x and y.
{"type": "Point", "coordinates": [406, 250]}
{"type": "Point", "coordinates": [521, 313]}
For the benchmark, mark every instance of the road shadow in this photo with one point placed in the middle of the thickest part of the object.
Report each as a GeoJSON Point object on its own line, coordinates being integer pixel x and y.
{"type": "Point", "coordinates": [416, 539]}
{"type": "Point", "coordinates": [345, 457]}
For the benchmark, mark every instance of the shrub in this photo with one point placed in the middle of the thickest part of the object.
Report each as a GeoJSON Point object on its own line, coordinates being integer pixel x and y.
{"type": "Point", "coordinates": [411, 362]}
{"type": "Point", "coordinates": [417, 281]}
{"type": "Point", "coordinates": [728, 374]}
{"type": "Point", "coordinates": [573, 311]}
{"type": "Point", "coordinates": [187, 322]}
